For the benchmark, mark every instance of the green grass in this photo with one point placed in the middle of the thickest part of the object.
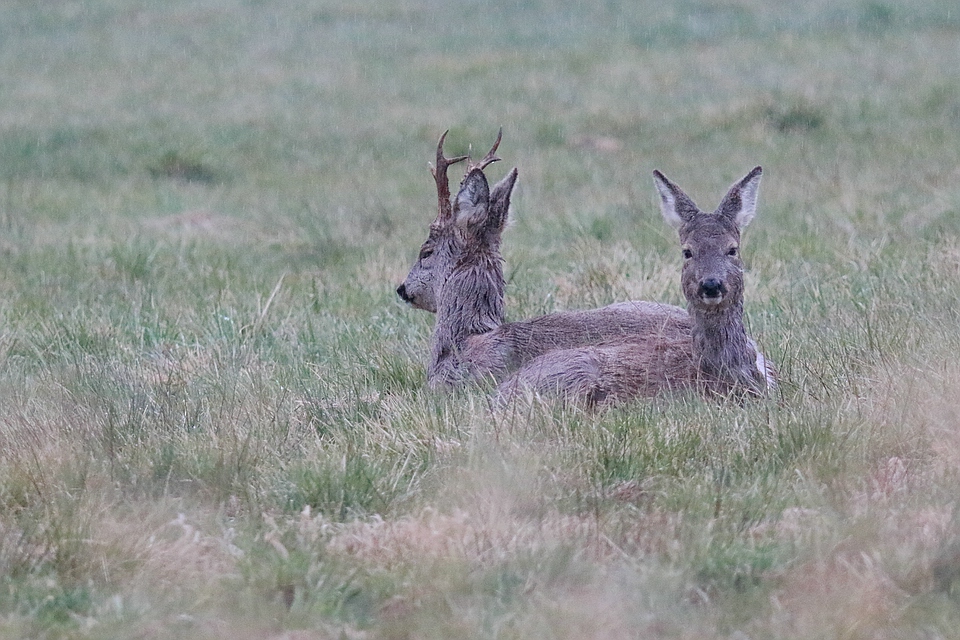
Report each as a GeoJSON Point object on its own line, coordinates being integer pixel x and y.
{"type": "Point", "coordinates": [213, 420]}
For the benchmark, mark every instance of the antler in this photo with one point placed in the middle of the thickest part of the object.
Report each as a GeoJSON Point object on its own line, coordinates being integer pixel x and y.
{"type": "Point", "coordinates": [444, 208]}
{"type": "Point", "coordinates": [491, 157]}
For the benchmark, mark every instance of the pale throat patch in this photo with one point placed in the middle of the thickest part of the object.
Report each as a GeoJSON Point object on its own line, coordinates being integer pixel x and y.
{"type": "Point", "coordinates": [765, 370]}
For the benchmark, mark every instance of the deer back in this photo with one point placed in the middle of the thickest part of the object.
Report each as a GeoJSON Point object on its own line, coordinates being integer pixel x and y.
{"type": "Point", "coordinates": [509, 346]}
{"type": "Point", "coordinates": [599, 376]}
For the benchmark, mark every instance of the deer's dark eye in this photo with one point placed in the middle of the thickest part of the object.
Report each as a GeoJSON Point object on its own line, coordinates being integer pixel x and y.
{"type": "Point", "coordinates": [425, 253]}
{"type": "Point", "coordinates": [732, 251]}
{"type": "Point", "coordinates": [687, 254]}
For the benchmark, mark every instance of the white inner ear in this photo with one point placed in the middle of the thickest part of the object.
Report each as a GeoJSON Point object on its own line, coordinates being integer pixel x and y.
{"type": "Point", "coordinates": [668, 204]}
{"type": "Point", "coordinates": [748, 202]}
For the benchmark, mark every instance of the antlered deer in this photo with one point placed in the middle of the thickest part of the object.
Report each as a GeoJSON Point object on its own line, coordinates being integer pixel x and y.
{"type": "Point", "coordinates": [459, 274]}
{"type": "Point", "coordinates": [714, 356]}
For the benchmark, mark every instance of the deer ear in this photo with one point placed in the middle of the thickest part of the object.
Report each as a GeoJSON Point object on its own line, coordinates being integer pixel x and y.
{"type": "Point", "coordinates": [500, 197]}
{"type": "Point", "coordinates": [473, 199]}
{"type": "Point", "coordinates": [676, 206]}
{"type": "Point", "coordinates": [740, 203]}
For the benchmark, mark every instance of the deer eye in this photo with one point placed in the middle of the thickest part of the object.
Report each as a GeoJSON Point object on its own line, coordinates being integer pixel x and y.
{"type": "Point", "coordinates": [732, 251]}
{"type": "Point", "coordinates": [425, 253]}
{"type": "Point", "coordinates": [687, 254]}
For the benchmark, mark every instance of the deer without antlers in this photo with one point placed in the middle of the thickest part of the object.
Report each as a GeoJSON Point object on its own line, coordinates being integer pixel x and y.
{"type": "Point", "coordinates": [459, 274]}
{"type": "Point", "coordinates": [714, 356]}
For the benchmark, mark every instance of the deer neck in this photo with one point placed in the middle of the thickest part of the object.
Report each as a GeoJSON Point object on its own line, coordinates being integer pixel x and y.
{"type": "Point", "coordinates": [724, 353]}
{"type": "Point", "coordinates": [471, 303]}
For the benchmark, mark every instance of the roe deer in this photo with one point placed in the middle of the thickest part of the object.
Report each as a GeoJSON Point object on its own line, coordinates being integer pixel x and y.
{"type": "Point", "coordinates": [714, 357]}
{"type": "Point", "coordinates": [460, 275]}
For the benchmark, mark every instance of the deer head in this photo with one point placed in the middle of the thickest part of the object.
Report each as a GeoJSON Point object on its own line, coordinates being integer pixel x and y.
{"type": "Point", "coordinates": [712, 275]}
{"type": "Point", "coordinates": [438, 253]}
{"type": "Point", "coordinates": [435, 260]}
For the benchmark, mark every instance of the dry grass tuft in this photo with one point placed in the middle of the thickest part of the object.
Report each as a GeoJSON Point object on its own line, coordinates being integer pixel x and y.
{"type": "Point", "coordinates": [493, 514]}
{"type": "Point", "coordinates": [911, 408]}
{"type": "Point", "coordinates": [195, 222]}
{"type": "Point", "coordinates": [844, 595]}
{"type": "Point", "coordinates": [483, 537]}
{"type": "Point", "coordinates": [180, 555]}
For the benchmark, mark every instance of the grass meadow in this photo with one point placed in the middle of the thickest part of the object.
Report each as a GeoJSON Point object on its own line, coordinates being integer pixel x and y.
{"type": "Point", "coordinates": [213, 420]}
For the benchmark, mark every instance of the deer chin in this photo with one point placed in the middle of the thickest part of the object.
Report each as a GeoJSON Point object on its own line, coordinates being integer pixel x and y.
{"type": "Point", "coordinates": [416, 300]}
{"type": "Point", "coordinates": [422, 306]}
{"type": "Point", "coordinates": [419, 303]}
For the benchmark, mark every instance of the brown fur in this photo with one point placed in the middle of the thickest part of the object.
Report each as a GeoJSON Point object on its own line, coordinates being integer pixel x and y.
{"type": "Point", "coordinates": [512, 344]}
{"type": "Point", "coordinates": [461, 278]}
{"type": "Point", "coordinates": [715, 356]}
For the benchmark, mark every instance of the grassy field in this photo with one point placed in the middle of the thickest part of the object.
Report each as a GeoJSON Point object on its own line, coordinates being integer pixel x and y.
{"type": "Point", "coordinates": [213, 421]}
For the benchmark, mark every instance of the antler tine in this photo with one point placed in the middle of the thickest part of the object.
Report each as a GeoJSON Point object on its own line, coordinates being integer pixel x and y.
{"type": "Point", "coordinates": [491, 156]}
{"type": "Point", "coordinates": [444, 208]}
{"type": "Point", "coordinates": [443, 163]}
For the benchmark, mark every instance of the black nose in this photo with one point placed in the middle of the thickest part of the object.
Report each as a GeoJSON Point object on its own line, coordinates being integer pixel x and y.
{"type": "Point", "coordinates": [711, 288]}
{"type": "Point", "coordinates": [402, 292]}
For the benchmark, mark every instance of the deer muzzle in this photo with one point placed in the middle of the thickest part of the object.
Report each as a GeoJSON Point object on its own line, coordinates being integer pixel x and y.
{"type": "Point", "coordinates": [712, 291]}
